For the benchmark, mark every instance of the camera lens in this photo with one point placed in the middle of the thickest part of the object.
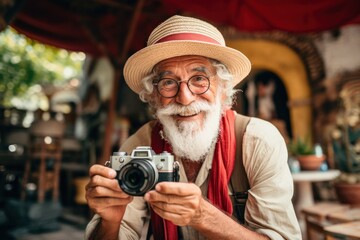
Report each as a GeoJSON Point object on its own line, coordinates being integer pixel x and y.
{"type": "Point", "coordinates": [137, 177]}
{"type": "Point", "coordinates": [134, 178]}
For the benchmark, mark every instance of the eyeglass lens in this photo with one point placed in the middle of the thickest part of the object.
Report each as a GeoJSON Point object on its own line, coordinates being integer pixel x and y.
{"type": "Point", "coordinates": [197, 84]}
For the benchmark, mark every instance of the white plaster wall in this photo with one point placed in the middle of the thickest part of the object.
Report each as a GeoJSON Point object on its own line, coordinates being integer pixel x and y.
{"type": "Point", "coordinates": [341, 54]}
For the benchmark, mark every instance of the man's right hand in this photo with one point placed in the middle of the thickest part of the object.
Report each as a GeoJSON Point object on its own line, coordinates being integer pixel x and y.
{"type": "Point", "coordinates": [104, 195]}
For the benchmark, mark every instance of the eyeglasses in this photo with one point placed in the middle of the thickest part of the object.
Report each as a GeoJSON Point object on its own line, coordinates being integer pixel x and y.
{"type": "Point", "coordinates": [169, 88]}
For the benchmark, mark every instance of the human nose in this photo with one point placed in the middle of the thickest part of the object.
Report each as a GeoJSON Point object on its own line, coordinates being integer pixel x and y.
{"type": "Point", "coordinates": [184, 96]}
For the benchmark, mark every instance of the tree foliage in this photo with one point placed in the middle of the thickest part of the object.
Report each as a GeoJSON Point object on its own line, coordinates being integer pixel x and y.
{"type": "Point", "coordinates": [24, 63]}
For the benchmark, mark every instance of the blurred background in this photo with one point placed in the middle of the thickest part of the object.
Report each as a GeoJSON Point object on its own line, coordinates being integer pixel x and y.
{"type": "Point", "coordinates": [64, 104]}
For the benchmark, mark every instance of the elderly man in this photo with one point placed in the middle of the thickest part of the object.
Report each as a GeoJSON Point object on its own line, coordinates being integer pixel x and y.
{"type": "Point", "coordinates": [187, 75]}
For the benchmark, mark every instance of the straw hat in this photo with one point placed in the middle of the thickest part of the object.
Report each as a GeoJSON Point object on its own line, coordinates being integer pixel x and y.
{"type": "Point", "coordinates": [180, 36]}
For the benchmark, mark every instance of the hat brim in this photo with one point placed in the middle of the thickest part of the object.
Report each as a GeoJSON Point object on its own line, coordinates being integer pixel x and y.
{"type": "Point", "coordinates": [142, 62]}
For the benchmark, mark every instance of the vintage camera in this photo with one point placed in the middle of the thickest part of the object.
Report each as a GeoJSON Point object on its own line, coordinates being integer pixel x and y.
{"type": "Point", "coordinates": [139, 172]}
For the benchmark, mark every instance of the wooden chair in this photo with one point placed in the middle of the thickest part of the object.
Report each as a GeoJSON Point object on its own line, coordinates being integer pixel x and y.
{"type": "Point", "coordinates": [316, 217]}
{"type": "Point", "coordinates": [352, 214]}
{"type": "Point", "coordinates": [43, 162]}
{"type": "Point", "coordinates": [348, 231]}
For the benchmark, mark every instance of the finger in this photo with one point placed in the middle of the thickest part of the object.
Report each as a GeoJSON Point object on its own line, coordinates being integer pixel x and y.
{"type": "Point", "coordinates": [171, 207]}
{"type": "Point", "coordinates": [155, 197]}
{"type": "Point", "coordinates": [172, 216]}
{"type": "Point", "coordinates": [105, 202]}
{"type": "Point", "coordinates": [161, 210]}
{"type": "Point", "coordinates": [100, 191]}
{"type": "Point", "coordinates": [98, 180]}
{"type": "Point", "coordinates": [173, 192]}
{"type": "Point", "coordinates": [174, 203]}
{"type": "Point", "coordinates": [176, 188]}
{"type": "Point", "coordinates": [101, 170]}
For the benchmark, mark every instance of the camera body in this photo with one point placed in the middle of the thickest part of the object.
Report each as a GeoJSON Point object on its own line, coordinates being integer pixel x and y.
{"type": "Point", "coordinates": [139, 172]}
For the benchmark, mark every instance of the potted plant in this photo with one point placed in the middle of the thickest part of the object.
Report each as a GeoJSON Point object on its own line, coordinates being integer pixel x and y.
{"type": "Point", "coordinates": [310, 157]}
{"type": "Point", "coordinates": [345, 144]}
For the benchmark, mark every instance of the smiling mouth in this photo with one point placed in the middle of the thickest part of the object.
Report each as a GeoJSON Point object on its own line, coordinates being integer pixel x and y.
{"type": "Point", "coordinates": [187, 114]}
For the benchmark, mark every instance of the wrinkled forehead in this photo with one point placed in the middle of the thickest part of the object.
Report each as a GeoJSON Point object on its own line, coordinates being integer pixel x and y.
{"type": "Point", "coordinates": [190, 63]}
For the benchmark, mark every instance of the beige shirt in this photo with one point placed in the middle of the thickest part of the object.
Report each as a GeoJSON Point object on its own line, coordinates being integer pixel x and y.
{"type": "Point", "coordinates": [269, 209]}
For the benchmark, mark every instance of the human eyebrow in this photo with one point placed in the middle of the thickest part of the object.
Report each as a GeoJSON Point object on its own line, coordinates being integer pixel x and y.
{"type": "Point", "coordinates": [201, 69]}
{"type": "Point", "coordinates": [162, 74]}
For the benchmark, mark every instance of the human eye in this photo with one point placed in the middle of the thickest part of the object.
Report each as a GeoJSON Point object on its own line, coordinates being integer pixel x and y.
{"type": "Point", "coordinates": [167, 83]}
{"type": "Point", "coordinates": [199, 81]}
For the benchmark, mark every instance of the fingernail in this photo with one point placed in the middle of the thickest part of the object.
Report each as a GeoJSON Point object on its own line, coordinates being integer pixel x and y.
{"type": "Point", "coordinates": [112, 173]}
{"type": "Point", "coordinates": [146, 196]}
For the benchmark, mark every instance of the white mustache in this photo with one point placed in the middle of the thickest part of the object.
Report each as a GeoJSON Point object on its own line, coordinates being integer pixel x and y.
{"type": "Point", "coordinates": [192, 109]}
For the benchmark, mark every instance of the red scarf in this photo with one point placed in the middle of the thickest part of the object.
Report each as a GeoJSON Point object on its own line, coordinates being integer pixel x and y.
{"type": "Point", "coordinates": [222, 167]}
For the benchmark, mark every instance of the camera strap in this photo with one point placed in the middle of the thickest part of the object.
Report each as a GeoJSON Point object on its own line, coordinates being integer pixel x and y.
{"type": "Point", "coordinates": [145, 233]}
{"type": "Point", "coordinates": [239, 182]}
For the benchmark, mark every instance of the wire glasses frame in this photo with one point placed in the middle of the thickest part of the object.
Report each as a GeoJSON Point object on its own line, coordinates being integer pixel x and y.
{"type": "Point", "coordinates": [169, 88]}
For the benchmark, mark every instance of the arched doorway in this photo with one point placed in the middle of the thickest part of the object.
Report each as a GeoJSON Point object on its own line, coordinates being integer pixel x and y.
{"type": "Point", "coordinates": [264, 95]}
{"type": "Point", "coordinates": [285, 63]}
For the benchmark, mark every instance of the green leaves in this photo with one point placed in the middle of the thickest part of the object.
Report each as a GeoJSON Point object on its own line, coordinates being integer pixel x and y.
{"type": "Point", "coordinates": [300, 147]}
{"type": "Point", "coordinates": [24, 63]}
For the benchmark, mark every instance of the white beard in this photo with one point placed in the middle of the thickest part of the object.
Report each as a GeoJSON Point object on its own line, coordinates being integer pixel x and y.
{"type": "Point", "coordinates": [191, 140]}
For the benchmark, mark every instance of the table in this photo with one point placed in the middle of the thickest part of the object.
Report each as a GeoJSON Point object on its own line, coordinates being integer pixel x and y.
{"type": "Point", "coordinates": [303, 186]}
{"type": "Point", "coordinates": [316, 217]}
{"type": "Point", "coordinates": [350, 230]}
{"type": "Point", "coordinates": [352, 214]}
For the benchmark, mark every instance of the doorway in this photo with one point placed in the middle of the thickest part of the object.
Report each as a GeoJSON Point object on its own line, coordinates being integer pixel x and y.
{"type": "Point", "coordinates": [286, 64]}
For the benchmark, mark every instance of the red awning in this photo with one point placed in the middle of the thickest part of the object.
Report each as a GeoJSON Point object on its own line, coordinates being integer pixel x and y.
{"type": "Point", "coordinates": [298, 16]}
{"type": "Point", "coordinates": [99, 28]}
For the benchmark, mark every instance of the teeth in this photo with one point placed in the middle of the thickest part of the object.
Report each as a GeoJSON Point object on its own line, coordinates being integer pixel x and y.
{"type": "Point", "coordinates": [186, 114]}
